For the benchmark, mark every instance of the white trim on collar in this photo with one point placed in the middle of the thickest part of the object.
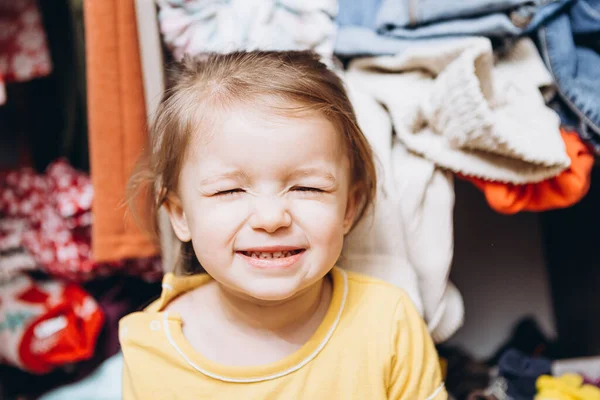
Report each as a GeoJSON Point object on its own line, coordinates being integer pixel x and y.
{"type": "Point", "coordinates": [266, 377]}
{"type": "Point", "coordinates": [436, 392]}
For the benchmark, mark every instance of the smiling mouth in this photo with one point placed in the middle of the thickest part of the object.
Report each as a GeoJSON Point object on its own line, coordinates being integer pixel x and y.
{"type": "Point", "coordinates": [270, 255]}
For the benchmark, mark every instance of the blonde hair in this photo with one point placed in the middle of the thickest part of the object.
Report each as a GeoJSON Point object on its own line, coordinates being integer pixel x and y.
{"type": "Point", "coordinates": [211, 81]}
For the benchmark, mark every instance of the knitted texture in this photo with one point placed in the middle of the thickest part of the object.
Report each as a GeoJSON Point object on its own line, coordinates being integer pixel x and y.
{"type": "Point", "coordinates": [452, 105]}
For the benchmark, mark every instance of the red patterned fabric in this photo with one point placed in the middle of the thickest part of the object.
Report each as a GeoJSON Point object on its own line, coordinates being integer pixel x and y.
{"type": "Point", "coordinates": [24, 53]}
{"type": "Point", "coordinates": [56, 209]}
{"type": "Point", "coordinates": [46, 324]}
{"type": "Point", "coordinates": [14, 258]}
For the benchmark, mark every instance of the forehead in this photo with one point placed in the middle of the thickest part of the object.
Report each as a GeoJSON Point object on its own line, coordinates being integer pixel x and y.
{"type": "Point", "coordinates": [263, 137]}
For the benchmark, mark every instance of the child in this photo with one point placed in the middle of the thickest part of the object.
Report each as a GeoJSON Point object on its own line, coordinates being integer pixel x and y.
{"type": "Point", "coordinates": [262, 168]}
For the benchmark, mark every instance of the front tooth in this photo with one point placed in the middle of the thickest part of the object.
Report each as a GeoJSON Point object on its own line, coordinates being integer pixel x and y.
{"type": "Point", "coordinates": [264, 256]}
{"type": "Point", "coordinates": [277, 254]}
{"type": "Point", "coordinates": [254, 254]}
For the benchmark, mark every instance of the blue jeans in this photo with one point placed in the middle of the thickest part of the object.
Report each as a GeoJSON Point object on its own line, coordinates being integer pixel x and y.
{"type": "Point", "coordinates": [570, 46]}
{"type": "Point", "coordinates": [377, 27]}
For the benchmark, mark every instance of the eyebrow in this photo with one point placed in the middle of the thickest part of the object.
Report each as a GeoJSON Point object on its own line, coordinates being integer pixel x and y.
{"type": "Point", "coordinates": [305, 172]}
{"type": "Point", "coordinates": [299, 173]}
{"type": "Point", "coordinates": [232, 175]}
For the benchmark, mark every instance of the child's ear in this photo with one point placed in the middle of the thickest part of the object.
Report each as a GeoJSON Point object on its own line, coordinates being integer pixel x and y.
{"type": "Point", "coordinates": [354, 199]}
{"type": "Point", "coordinates": [178, 218]}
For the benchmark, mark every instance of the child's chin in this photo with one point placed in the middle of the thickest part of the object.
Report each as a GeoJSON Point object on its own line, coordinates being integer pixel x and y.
{"type": "Point", "coordinates": [269, 292]}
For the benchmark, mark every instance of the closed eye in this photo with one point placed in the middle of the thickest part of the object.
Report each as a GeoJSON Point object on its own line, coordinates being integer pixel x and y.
{"type": "Point", "coordinates": [307, 189]}
{"type": "Point", "coordinates": [229, 192]}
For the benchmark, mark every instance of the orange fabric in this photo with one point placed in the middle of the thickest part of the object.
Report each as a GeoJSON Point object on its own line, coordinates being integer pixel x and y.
{"type": "Point", "coordinates": [564, 190]}
{"type": "Point", "coordinates": [117, 125]}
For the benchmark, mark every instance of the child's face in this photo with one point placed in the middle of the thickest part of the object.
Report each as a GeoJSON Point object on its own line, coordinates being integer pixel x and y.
{"type": "Point", "coordinates": [263, 185]}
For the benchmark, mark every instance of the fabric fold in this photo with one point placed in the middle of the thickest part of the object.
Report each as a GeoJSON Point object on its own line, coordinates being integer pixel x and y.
{"type": "Point", "coordinates": [562, 191]}
{"type": "Point", "coordinates": [46, 225]}
{"type": "Point", "coordinates": [117, 126]}
{"type": "Point", "coordinates": [46, 324]}
{"type": "Point", "coordinates": [194, 26]}
{"type": "Point", "coordinates": [413, 209]}
{"type": "Point", "coordinates": [496, 125]}
{"type": "Point", "coordinates": [424, 194]}
{"type": "Point", "coordinates": [569, 46]}
{"type": "Point", "coordinates": [383, 27]}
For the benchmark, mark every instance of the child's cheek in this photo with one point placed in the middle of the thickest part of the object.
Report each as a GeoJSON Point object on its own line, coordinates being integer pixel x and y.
{"type": "Point", "coordinates": [222, 215]}
{"type": "Point", "coordinates": [320, 219]}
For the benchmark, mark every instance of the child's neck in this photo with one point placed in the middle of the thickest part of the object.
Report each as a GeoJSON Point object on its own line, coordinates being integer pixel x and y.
{"type": "Point", "coordinates": [276, 316]}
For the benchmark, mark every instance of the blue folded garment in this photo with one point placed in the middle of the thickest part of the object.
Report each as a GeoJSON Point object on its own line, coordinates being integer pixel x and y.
{"type": "Point", "coordinates": [521, 372]}
{"type": "Point", "coordinates": [378, 27]}
{"type": "Point", "coordinates": [570, 46]}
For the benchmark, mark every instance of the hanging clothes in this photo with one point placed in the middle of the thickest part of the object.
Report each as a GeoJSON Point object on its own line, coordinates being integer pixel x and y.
{"type": "Point", "coordinates": [117, 126]}
{"type": "Point", "coordinates": [24, 53]}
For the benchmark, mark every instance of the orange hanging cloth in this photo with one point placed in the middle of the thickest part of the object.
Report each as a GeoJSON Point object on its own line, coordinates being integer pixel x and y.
{"type": "Point", "coordinates": [564, 190]}
{"type": "Point", "coordinates": [117, 126]}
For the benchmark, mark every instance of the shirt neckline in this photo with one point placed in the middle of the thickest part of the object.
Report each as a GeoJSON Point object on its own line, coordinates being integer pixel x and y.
{"type": "Point", "coordinates": [171, 324]}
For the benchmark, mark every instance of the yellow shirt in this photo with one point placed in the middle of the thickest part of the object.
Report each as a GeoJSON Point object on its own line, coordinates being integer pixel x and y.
{"type": "Point", "coordinates": [372, 344]}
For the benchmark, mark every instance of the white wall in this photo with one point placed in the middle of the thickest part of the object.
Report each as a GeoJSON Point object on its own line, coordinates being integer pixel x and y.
{"type": "Point", "coordinates": [499, 269]}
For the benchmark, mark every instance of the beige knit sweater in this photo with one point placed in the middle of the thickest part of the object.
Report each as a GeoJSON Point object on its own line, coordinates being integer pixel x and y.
{"type": "Point", "coordinates": [452, 109]}
{"type": "Point", "coordinates": [452, 105]}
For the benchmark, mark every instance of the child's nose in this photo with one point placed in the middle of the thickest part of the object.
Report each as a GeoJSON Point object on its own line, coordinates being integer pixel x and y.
{"type": "Point", "coordinates": [270, 214]}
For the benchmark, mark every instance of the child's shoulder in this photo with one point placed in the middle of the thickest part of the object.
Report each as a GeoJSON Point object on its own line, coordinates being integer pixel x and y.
{"type": "Point", "coordinates": [376, 287]}
{"type": "Point", "coordinates": [378, 298]}
{"type": "Point", "coordinates": [362, 279]}
{"type": "Point", "coordinates": [376, 310]}
{"type": "Point", "coordinates": [173, 301]}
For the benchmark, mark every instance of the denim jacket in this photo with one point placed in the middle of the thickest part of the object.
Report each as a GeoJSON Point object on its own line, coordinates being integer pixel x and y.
{"type": "Point", "coordinates": [570, 46]}
{"type": "Point", "coordinates": [378, 27]}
